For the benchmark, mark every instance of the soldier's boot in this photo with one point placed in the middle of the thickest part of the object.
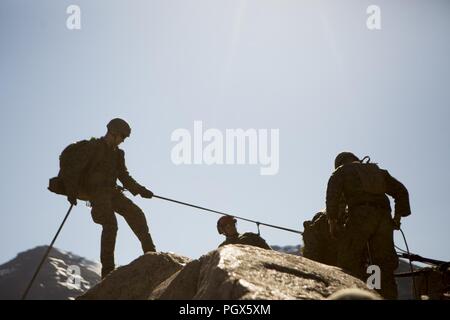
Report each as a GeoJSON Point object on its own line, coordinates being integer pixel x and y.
{"type": "Point", "coordinates": [106, 270]}
{"type": "Point", "coordinates": [147, 243]}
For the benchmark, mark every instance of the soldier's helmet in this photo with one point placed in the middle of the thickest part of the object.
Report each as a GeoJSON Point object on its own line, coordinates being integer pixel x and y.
{"type": "Point", "coordinates": [119, 126]}
{"type": "Point", "coordinates": [223, 221]}
{"type": "Point", "coordinates": [344, 158]}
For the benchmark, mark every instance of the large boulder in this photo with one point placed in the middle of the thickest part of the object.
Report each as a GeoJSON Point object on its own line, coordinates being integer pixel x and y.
{"type": "Point", "coordinates": [246, 272]}
{"type": "Point", "coordinates": [137, 279]}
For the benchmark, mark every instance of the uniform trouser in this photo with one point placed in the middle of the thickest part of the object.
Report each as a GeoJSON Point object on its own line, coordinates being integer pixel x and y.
{"type": "Point", "coordinates": [104, 205]}
{"type": "Point", "coordinates": [373, 226]}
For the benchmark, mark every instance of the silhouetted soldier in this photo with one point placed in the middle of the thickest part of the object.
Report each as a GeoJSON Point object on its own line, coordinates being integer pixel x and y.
{"type": "Point", "coordinates": [90, 172]}
{"type": "Point", "coordinates": [226, 225]}
{"type": "Point", "coordinates": [369, 224]}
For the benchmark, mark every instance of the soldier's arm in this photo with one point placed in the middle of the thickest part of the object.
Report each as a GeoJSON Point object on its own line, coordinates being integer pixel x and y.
{"type": "Point", "coordinates": [124, 176]}
{"type": "Point", "coordinates": [398, 191]}
{"type": "Point", "coordinates": [334, 193]}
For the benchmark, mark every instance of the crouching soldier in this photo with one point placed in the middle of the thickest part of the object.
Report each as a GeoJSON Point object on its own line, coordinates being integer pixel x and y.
{"type": "Point", "coordinates": [226, 225]}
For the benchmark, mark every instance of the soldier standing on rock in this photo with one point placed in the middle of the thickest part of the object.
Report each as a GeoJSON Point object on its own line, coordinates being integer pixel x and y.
{"type": "Point", "coordinates": [226, 225]}
{"type": "Point", "coordinates": [369, 224]}
{"type": "Point", "coordinates": [89, 170]}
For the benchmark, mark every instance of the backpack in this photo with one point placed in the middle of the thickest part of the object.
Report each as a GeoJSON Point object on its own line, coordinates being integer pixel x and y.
{"type": "Point", "coordinates": [371, 177]}
{"type": "Point", "coordinates": [66, 160]}
{"type": "Point", "coordinates": [253, 239]}
{"type": "Point", "coordinates": [317, 242]}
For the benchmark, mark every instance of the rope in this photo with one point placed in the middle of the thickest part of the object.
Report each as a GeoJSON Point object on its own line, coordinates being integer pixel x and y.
{"type": "Point", "coordinates": [24, 296]}
{"type": "Point", "coordinates": [410, 263]}
{"type": "Point", "coordinates": [400, 249]}
{"type": "Point", "coordinates": [227, 214]}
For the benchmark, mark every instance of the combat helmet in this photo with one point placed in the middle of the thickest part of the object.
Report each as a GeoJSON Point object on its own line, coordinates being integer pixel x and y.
{"type": "Point", "coordinates": [223, 221]}
{"type": "Point", "coordinates": [344, 158]}
{"type": "Point", "coordinates": [119, 126]}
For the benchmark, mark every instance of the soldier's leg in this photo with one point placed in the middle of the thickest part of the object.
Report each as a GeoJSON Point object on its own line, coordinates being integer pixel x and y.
{"type": "Point", "coordinates": [350, 255]}
{"type": "Point", "coordinates": [384, 255]}
{"type": "Point", "coordinates": [135, 219]}
{"type": "Point", "coordinates": [353, 242]}
{"type": "Point", "coordinates": [102, 213]}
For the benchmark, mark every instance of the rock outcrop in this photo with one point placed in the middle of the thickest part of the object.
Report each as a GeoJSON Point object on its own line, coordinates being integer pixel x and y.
{"type": "Point", "coordinates": [230, 272]}
{"type": "Point", "coordinates": [246, 272]}
{"type": "Point", "coordinates": [404, 284]}
{"type": "Point", "coordinates": [137, 280]}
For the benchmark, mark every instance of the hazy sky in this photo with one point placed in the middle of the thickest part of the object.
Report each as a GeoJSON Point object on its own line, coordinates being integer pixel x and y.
{"type": "Point", "coordinates": [311, 69]}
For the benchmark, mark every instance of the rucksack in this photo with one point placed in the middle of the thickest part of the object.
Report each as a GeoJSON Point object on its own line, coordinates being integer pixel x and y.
{"type": "Point", "coordinates": [371, 177]}
{"type": "Point", "coordinates": [317, 242]}
{"type": "Point", "coordinates": [66, 159]}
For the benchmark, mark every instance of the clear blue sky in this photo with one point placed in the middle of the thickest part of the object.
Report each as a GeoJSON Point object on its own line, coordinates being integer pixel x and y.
{"type": "Point", "coordinates": [308, 68]}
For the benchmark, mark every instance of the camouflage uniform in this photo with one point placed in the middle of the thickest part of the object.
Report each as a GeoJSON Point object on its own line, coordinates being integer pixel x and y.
{"type": "Point", "coordinates": [248, 238]}
{"type": "Point", "coordinates": [92, 176]}
{"type": "Point", "coordinates": [364, 187]}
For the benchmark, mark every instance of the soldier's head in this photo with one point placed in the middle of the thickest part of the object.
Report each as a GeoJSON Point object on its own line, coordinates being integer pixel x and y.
{"type": "Point", "coordinates": [118, 131]}
{"type": "Point", "coordinates": [344, 158]}
{"type": "Point", "coordinates": [226, 225]}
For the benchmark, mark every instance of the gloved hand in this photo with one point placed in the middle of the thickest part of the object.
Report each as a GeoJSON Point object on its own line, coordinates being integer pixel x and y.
{"type": "Point", "coordinates": [333, 227]}
{"type": "Point", "coordinates": [72, 199]}
{"type": "Point", "coordinates": [396, 222]}
{"type": "Point", "coordinates": [145, 193]}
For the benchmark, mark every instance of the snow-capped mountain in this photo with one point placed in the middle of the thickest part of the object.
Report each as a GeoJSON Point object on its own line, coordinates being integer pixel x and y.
{"type": "Point", "coordinates": [63, 276]}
